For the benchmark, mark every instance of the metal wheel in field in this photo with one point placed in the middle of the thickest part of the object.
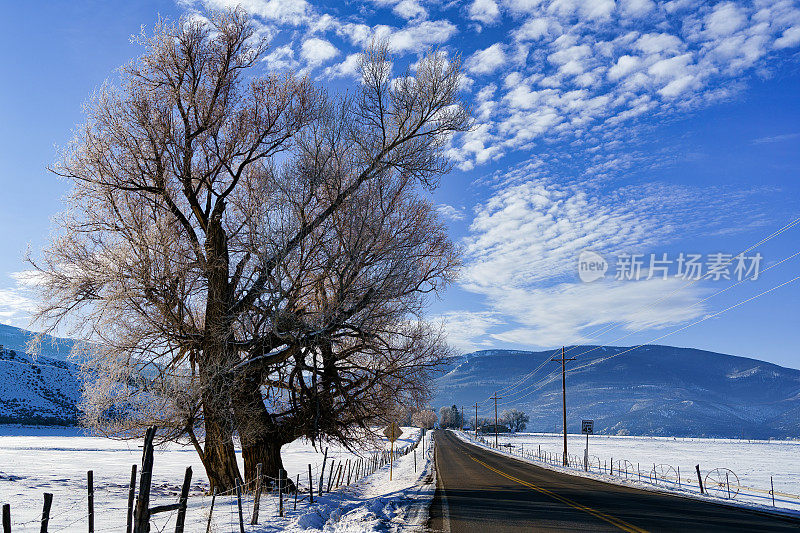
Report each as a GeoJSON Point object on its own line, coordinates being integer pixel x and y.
{"type": "Point", "coordinates": [722, 483]}
{"type": "Point", "coordinates": [626, 469]}
{"type": "Point", "coordinates": [664, 474]}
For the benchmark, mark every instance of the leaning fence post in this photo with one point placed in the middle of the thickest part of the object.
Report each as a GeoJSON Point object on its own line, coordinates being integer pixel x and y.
{"type": "Point", "coordinates": [310, 486]}
{"type": "Point", "coordinates": [211, 510]}
{"type": "Point", "coordinates": [7, 518]}
{"type": "Point", "coordinates": [90, 495]}
{"type": "Point", "coordinates": [699, 479]}
{"type": "Point", "coordinates": [131, 494]}
{"type": "Point", "coordinates": [330, 475]}
{"type": "Point", "coordinates": [141, 522]}
{"type": "Point", "coordinates": [322, 471]}
{"type": "Point", "coordinates": [257, 501]}
{"type": "Point", "coordinates": [679, 476]}
{"type": "Point", "coordinates": [239, 503]}
{"type": "Point", "coordinates": [48, 501]}
{"type": "Point", "coordinates": [183, 501]}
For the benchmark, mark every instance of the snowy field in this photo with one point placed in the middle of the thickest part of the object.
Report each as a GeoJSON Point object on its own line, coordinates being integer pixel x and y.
{"type": "Point", "coordinates": [752, 461]}
{"type": "Point", "coordinates": [38, 460]}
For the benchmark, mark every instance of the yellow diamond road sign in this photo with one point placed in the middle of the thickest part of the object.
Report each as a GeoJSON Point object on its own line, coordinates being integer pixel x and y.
{"type": "Point", "coordinates": [393, 432]}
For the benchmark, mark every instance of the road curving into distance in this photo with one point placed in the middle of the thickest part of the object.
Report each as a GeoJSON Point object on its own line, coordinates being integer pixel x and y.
{"type": "Point", "coordinates": [481, 491]}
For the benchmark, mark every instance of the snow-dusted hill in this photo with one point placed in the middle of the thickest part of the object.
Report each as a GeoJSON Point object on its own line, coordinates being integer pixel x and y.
{"type": "Point", "coordinates": [16, 339]}
{"type": "Point", "coordinates": [652, 390]}
{"type": "Point", "coordinates": [43, 390]}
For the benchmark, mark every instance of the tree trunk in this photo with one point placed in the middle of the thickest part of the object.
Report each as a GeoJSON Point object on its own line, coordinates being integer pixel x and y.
{"type": "Point", "coordinates": [217, 359]}
{"type": "Point", "coordinates": [261, 439]}
{"type": "Point", "coordinates": [220, 456]}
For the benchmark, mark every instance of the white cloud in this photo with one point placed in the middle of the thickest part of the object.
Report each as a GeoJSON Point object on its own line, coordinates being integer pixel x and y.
{"type": "Point", "coordinates": [790, 37]}
{"type": "Point", "coordinates": [486, 61]}
{"type": "Point", "coordinates": [725, 19]}
{"type": "Point", "coordinates": [466, 330]}
{"type": "Point", "coordinates": [282, 58]}
{"type": "Point", "coordinates": [407, 9]}
{"type": "Point", "coordinates": [624, 66]}
{"type": "Point", "coordinates": [317, 51]}
{"type": "Point", "coordinates": [17, 303]}
{"type": "Point", "coordinates": [283, 11]}
{"type": "Point", "coordinates": [636, 8]}
{"type": "Point", "coordinates": [419, 37]}
{"type": "Point", "coordinates": [347, 68]}
{"type": "Point", "coordinates": [532, 30]}
{"type": "Point", "coordinates": [450, 212]}
{"type": "Point", "coordinates": [485, 11]}
{"type": "Point", "coordinates": [525, 240]}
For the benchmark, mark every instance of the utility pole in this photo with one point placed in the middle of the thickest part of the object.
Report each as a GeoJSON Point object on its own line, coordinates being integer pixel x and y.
{"type": "Point", "coordinates": [495, 398]}
{"type": "Point", "coordinates": [476, 420]}
{"type": "Point", "coordinates": [462, 418]}
{"type": "Point", "coordinates": [562, 360]}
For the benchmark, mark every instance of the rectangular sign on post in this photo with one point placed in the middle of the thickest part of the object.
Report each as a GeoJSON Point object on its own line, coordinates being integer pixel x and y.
{"type": "Point", "coordinates": [587, 426]}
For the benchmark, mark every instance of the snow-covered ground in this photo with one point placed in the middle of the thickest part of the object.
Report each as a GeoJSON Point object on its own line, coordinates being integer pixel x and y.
{"type": "Point", "coordinates": [35, 461]}
{"type": "Point", "coordinates": [752, 461]}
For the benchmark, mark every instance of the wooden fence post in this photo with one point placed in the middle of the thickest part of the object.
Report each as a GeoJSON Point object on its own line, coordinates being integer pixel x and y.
{"type": "Point", "coordinates": [48, 501]}
{"type": "Point", "coordinates": [7, 518]}
{"type": "Point", "coordinates": [322, 471]}
{"type": "Point", "coordinates": [131, 494]}
{"type": "Point", "coordinates": [184, 500]}
{"type": "Point", "coordinates": [310, 486]}
{"type": "Point", "coordinates": [699, 479]}
{"type": "Point", "coordinates": [330, 475]}
{"type": "Point", "coordinates": [280, 491]}
{"type": "Point", "coordinates": [211, 510]}
{"type": "Point", "coordinates": [257, 501]}
{"type": "Point", "coordinates": [296, 490]}
{"type": "Point", "coordinates": [90, 491]}
{"type": "Point", "coordinates": [239, 503]}
{"type": "Point", "coordinates": [141, 520]}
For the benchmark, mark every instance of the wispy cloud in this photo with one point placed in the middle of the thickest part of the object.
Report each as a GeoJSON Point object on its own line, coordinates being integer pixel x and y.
{"type": "Point", "coordinates": [524, 242]}
{"type": "Point", "coordinates": [777, 138]}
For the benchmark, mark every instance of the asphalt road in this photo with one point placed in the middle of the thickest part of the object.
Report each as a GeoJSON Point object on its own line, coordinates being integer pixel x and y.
{"type": "Point", "coordinates": [480, 491]}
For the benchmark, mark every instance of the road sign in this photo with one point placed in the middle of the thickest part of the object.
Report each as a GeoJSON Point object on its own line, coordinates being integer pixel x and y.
{"type": "Point", "coordinates": [587, 426]}
{"type": "Point", "coordinates": [393, 432]}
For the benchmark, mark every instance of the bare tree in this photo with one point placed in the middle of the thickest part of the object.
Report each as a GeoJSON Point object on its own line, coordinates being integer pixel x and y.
{"type": "Point", "coordinates": [515, 420]}
{"type": "Point", "coordinates": [248, 255]}
{"type": "Point", "coordinates": [424, 419]}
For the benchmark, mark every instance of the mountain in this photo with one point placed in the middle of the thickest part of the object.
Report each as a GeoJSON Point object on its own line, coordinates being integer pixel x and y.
{"type": "Point", "coordinates": [42, 391]}
{"type": "Point", "coordinates": [650, 390]}
{"type": "Point", "coordinates": [16, 339]}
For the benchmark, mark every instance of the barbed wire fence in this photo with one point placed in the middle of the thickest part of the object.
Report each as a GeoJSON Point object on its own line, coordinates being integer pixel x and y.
{"type": "Point", "coordinates": [720, 483]}
{"type": "Point", "coordinates": [237, 508]}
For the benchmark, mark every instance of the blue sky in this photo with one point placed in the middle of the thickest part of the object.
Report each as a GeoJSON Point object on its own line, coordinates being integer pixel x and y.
{"type": "Point", "coordinates": [627, 127]}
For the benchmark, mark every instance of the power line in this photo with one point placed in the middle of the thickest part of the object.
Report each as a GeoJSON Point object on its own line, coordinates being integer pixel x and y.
{"type": "Point", "coordinates": [543, 382]}
{"type": "Point", "coordinates": [774, 234]}
{"type": "Point", "coordinates": [689, 307]}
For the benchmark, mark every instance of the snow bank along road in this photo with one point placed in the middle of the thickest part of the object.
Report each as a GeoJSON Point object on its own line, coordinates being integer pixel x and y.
{"type": "Point", "coordinates": [479, 490]}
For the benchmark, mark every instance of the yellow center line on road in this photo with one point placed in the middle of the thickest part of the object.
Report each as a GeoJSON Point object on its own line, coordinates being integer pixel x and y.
{"type": "Point", "coordinates": [621, 524]}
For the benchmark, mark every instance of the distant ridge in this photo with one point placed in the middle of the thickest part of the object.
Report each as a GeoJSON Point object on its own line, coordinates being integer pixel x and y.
{"type": "Point", "coordinates": [652, 390]}
{"type": "Point", "coordinates": [13, 338]}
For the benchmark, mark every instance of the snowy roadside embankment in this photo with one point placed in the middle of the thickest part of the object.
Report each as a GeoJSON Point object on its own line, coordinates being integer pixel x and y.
{"type": "Point", "coordinates": [35, 460]}
{"type": "Point", "coordinates": [376, 503]}
{"type": "Point", "coordinates": [529, 448]}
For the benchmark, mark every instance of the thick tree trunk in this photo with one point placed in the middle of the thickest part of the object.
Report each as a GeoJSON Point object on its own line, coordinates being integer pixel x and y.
{"type": "Point", "coordinates": [220, 456]}
{"type": "Point", "coordinates": [261, 439]}
{"type": "Point", "coordinates": [219, 453]}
